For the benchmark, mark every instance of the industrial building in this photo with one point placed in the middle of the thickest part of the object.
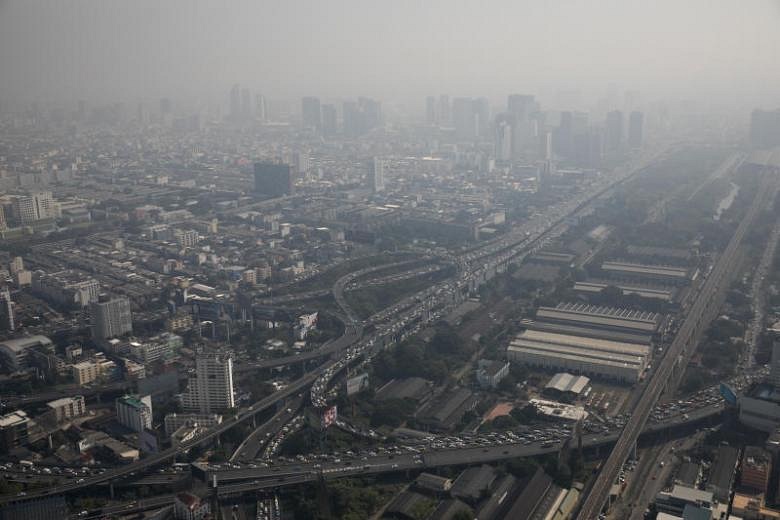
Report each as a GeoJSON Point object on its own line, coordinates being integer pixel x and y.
{"type": "Point", "coordinates": [605, 318]}
{"type": "Point", "coordinates": [15, 353]}
{"type": "Point", "coordinates": [653, 272]}
{"type": "Point", "coordinates": [568, 386]}
{"type": "Point", "coordinates": [655, 292]}
{"type": "Point", "coordinates": [617, 361]}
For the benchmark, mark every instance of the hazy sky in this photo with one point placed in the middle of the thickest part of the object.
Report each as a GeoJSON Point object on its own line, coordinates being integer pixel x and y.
{"type": "Point", "coordinates": [105, 50]}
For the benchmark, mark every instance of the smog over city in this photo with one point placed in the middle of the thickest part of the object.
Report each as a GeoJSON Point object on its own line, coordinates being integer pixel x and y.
{"type": "Point", "coordinates": [442, 260]}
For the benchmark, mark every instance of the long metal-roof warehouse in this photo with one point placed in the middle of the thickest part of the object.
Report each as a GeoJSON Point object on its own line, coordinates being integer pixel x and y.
{"type": "Point", "coordinates": [595, 357]}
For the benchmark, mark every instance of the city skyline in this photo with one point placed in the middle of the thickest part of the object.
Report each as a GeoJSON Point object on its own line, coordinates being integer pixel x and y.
{"type": "Point", "coordinates": [115, 51]}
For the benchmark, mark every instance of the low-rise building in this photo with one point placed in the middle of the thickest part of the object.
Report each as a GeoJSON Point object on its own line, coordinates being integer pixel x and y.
{"type": "Point", "coordinates": [14, 430]}
{"type": "Point", "coordinates": [756, 468]}
{"type": "Point", "coordinates": [491, 373]}
{"type": "Point", "coordinates": [15, 353]}
{"type": "Point", "coordinates": [135, 412]}
{"type": "Point", "coordinates": [187, 506]}
{"type": "Point", "coordinates": [67, 408]}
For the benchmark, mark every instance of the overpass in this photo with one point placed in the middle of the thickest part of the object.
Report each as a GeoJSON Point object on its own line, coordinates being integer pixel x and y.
{"type": "Point", "coordinates": [236, 481]}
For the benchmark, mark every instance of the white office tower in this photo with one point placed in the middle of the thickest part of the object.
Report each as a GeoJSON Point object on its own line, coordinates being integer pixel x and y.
{"type": "Point", "coordinates": [211, 389]}
{"type": "Point", "coordinates": [111, 318]}
{"type": "Point", "coordinates": [377, 175]}
{"type": "Point", "coordinates": [135, 412]}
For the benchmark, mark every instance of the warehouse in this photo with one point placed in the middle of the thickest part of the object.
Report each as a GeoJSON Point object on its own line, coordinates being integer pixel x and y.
{"type": "Point", "coordinates": [567, 386]}
{"type": "Point", "coordinates": [661, 273]}
{"type": "Point", "coordinates": [587, 332]}
{"type": "Point", "coordinates": [654, 292]}
{"type": "Point", "coordinates": [598, 317]}
{"type": "Point", "coordinates": [618, 361]}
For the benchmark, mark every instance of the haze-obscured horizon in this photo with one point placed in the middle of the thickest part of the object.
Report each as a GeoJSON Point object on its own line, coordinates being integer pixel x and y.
{"type": "Point", "coordinates": [724, 53]}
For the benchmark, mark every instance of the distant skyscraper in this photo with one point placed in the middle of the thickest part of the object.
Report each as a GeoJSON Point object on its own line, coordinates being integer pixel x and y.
{"type": "Point", "coordinates": [235, 102]}
{"type": "Point", "coordinates": [261, 110]}
{"type": "Point", "coordinates": [464, 118]}
{"type": "Point", "coordinates": [273, 180]}
{"type": "Point", "coordinates": [376, 175]}
{"type": "Point", "coordinates": [372, 112]}
{"type": "Point", "coordinates": [524, 128]}
{"type": "Point", "coordinates": [546, 146]}
{"type": "Point", "coordinates": [111, 318]}
{"type": "Point", "coordinates": [361, 117]}
{"type": "Point", "coordinates": [503, 139]}
{"type": "Point", "coordinates": [311, 114]}
{"type": "Point", "coordinates": [482, 114]}
{"type": "Point", "coordinates": [302, 163]}
{"type": "Point", "coordinates": [765, 128]}
{"type": "Point", "coordinates": [211, 388]}
{"type": "Point", "coordinates": [444, 110]}
{"type": "Point", "coordinates": [635, 121]}
{"type": "Point", "coordinates": [246, 104]}
{"type": "Point", "coordinates": [329, 124]}
{"type": "Point", "coordinates": [430, 110]}
{"type": "Point", "coordinates": [166, 107]}
{"type": "Point", "coordinates": [613, 131]}
{"type": "Point", "coordinates": [521, 106]}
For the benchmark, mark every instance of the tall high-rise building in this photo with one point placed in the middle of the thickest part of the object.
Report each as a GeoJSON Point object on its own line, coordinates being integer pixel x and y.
{"type": "Point", "coordinates": [135, 412]}
{"type": "Point", "coordinates": [211, 388]}
{"type": "Point", "coordinates": [3, 222]}
{"type": "Point", "coordinates": [362, 116]}
{"type": "Point", "coordinates": [329, 120]}
{"type": "Point", "coordinates": [311, 114]}
{"type": "Point", "coordinates": [261, 109]}
{"type": "Point", "coordinates": [444, 111]}
{"type": "Point", "coordinates": [376, 175]}
{"type": "Point", "coordinates": [503, 138]}
{"type": "Point", "coordinates": [765, 128]}
{"type": "Point", "coordinates": [635, 121]}
{"type": "Point", "coordinates": [521, 106]}
{"type": "Point", "coordinates": [302, 163]}
{"type": "Point", "coordinates": [482, 115]}
{"type": "Point", "coordinates": [430, 110]}
{"type": "Point", "coordinates": [7, 321]}
{"type": "Point", "coordinates": [372, 112]}
{"type": "Point", "coordinates": [613, 131]}
{"type": "Point", "coordinates": [235, 102]}
{"type": "Point", "coordinates": [166, 107]}
{"type": "Point", "coordinates": [464, 118]}
{"type": "Point", "coordinates": [246, 103]}
{"type": "Point", "coordinates": [111, 318]}
{"type": "Point", "coordinates": [273, 179]}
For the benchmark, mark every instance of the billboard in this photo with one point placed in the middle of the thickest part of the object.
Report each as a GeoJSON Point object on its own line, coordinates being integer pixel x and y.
{"type": "Point", "coordinates": [329, 416]}
{"type": "Point", "coordinates": [728, 394]}
{"type": "Point", "coordinates": [357, 384]}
